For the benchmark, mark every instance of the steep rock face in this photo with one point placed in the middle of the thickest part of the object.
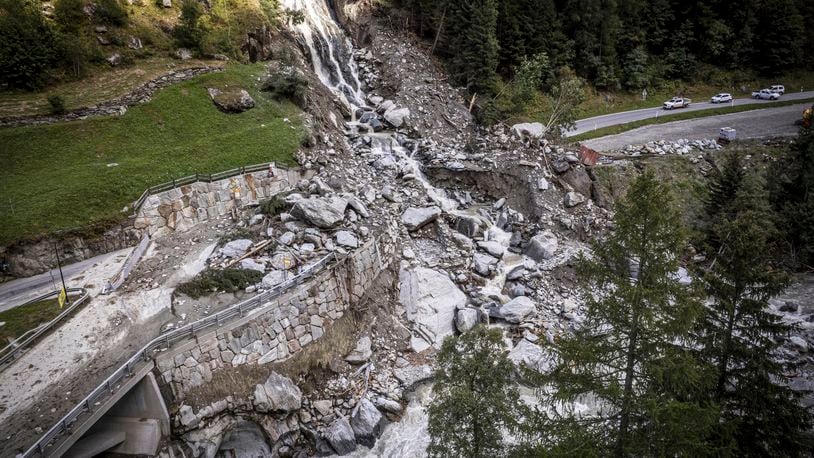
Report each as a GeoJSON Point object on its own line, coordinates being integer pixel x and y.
{"type": "Point", "coordinates": [430, 299]}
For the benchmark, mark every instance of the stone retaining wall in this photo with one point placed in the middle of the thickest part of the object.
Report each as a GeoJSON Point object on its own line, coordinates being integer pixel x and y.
{"type": "Point", "coordinates": [181, 208]}
{"type": "Point", "coordinates": [115, 107]}
{"type": "Point", "coordinates": [282, 327]}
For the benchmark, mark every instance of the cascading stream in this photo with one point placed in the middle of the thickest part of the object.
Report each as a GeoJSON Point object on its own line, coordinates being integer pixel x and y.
{"type": "Point", "coordinates": [332, 57]}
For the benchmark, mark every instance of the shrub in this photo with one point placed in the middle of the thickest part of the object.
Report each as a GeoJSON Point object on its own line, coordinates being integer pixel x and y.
{"type": "Point", "coordinates": [69, 16]}
{"type": "Point", "coordinates": [287, 83]}
{"type": "Point", "coordinates": [190, 33]}
{"type": "Point", "coordinates": [274, 206]}
{"type": "Point", "coordinates": [111, 12]}
{"type": "Point", "coordinates": [28, 44]}
{"type": "Point", "coordinates": [57, 104]}
{"type": "Point", "coordinates": [210, 280]}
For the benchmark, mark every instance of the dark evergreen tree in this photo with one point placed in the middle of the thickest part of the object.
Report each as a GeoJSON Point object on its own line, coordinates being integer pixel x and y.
{"type": "Point", "coordinates": [793, 198]}
{"type": "Point", "coordinates": [28, 44]}
{"type": "Point", "coordinates": [476, 400]}
{"type": "Point", "coordinates": [632, 353]}
{"type": "Point", "coordinates": [473, 44]}
{"type": "Point", "coordinates": [760, 414]}
{"type": "Point", "coordinates": [779, 37]}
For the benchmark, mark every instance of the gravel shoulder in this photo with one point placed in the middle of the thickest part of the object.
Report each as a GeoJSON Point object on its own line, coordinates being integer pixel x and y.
{"type": "Point", "coordinates": [749, 124]}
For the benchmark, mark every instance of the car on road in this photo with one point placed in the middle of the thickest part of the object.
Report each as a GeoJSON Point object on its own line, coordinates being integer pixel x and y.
{"type": "Point", "coordinates": [677, 102]}
{"type": "Point", "coordinates": [723, 97]}
{"type": "Point", "coordinates": [765, 94]}
{"type": "Point", "coordinates": [779, 88]}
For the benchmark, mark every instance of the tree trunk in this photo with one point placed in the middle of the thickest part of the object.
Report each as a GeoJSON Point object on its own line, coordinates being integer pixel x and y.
{"type": "Point", "coordinates": [438, 32]}
{"type": "Point", "coordinates": [627, 395]}
{"type": "Point", "coordinates": [725, 350]}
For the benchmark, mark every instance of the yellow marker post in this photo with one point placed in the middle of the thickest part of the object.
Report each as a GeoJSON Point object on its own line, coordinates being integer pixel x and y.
{"type": "Point", "coordinates": [63, 296]}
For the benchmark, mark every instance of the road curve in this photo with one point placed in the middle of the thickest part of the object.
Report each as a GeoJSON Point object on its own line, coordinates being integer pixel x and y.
{"type": "Point", "coordinates": [614, 119]}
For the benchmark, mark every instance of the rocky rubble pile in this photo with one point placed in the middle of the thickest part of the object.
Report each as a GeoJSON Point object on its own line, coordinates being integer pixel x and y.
{"type": "Point", "coordinates": [680, 147]}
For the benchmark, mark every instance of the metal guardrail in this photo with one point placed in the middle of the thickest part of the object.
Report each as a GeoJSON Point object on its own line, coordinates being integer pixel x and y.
{"type": "Point", "coordinates": [164, 342]}
{"type": "Point", "coordinates": [200, 177]}
{"type": "Point", "coordinates": [10, 351]}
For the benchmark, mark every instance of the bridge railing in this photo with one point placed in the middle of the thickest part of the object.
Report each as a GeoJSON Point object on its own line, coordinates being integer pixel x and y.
{"type": "Point", "coordinates": [163, 342]}
{"type": "Point", "coordinates": [13, 349]}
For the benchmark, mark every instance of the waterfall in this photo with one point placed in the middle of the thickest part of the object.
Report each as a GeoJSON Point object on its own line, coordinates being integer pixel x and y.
{"type": "Point", "coordinates": [330, 48]}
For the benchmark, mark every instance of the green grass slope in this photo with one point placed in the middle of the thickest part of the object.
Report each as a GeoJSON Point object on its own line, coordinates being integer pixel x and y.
{"type": "Point", "coordinates": [63, 175]}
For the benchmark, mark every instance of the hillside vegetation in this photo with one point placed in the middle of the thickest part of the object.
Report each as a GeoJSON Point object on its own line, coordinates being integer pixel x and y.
{"type": "Point", "coordinates": [71, 174]}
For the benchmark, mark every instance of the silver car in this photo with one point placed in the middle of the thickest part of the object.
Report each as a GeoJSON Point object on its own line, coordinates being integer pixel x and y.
{"type": "Point", "coordinates": [723, 97]}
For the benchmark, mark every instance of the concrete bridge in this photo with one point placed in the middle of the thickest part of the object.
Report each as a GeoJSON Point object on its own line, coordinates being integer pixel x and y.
{"type": "Point", "coordinates": [128, 413]}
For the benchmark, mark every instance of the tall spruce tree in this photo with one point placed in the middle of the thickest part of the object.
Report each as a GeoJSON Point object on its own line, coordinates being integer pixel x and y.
{"type": "Point", "coordinates": [760, 414]}
{"type": "Point", "coordinates": [793, 198]}
{"type": "Point", "coordinates": [476, 400]}
{"type": "Point", "coordinates": [473, 44]}
{"type": "Point", "coordinates": [632, 352]}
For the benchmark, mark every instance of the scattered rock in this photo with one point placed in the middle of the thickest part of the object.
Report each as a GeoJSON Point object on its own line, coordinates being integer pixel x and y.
{"type": "Point", "coordinates": [517, 310]}
{"type": "Point", "coordinates": [278, 394]}
{"type": "Point", "coordinates": [274, 278]}
{"type": "Point", "coordinates": [466, 319]}
{"type": "Point", "coordinates": [366, 421]}
{"type": "Point", "coordinates": [528, 130]}
{"type": "Point", "coordinates": [362, 352]}
{"type": "Point", "coordinates": [542, 246]}
{"type": "Point", "coordinates": [415, 218]}
{"type": "Point", "coordinates": [572, 199]}
{"type": "Point", "coordinates": [347, 239]}
{"type": "Point", "coordinates": [236, 248]}
{"type": "Point", "coordinates": [341, 437]}
{"type": "Point", "coordinates": [322, 212]}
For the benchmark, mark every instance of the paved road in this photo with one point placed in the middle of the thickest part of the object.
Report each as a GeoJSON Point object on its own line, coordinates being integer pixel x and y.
{"type": "Point", "coordinates": [598, 122]}
{"type": "Point", "coordinates": [13, 293]}
{"type": "Point", "coordinates": [767, 122]}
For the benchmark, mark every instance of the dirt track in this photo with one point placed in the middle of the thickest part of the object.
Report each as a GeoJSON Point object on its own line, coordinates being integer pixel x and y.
{"type": "Point", "coordinates": [750, 124]}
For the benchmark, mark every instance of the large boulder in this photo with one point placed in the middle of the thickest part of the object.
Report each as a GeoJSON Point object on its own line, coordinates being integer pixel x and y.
{"type": "Point", "coordinates": [572, 199]}
{"type": "Point", "coordinates": [236, 248]}
{"type": "Point", "coordinates": [322, 212]}
{"type": "Point", "coordinates": [492, 247]}
{"type": "Point", "coordinates": [274, 278]}
{"type": "Point", "coordinates": [483, 264]}
{"type": "Point", "coordinates": [430, 299]}
{"type": "Point", "coordinates": [469, 226]}
{"type": "Point", "coordinates": [579, 180]}
{"type": "Point", "coordinates": [278, 394]}
{"type": "Point", "coordinates": [341, 437]}
{"type": "Point", "coordinates": [466, 319]}
{"type": "Point", "coordinates": [347, 239]}
{"type": "Point", "coordinates": [231, 100]}
{"type": "Point", "coordinates": [397, 116]}
{"type": "Point", "coordinates": [366, 422]}
{"type": "Point", "coordinates": [542, 246]}
{"type": "Point", "coordinates": [362, 352]}
{"type": "Point", "coordinates": [417, 217]}
{"type": "Point", "coordinates": [528, 129]}
{"type": "Point", "coordinates": [517, 309]}
{"type": "Point", "coordinates": [529, 354]}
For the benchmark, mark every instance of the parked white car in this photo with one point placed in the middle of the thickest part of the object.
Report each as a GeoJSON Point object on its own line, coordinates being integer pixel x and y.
{"type": "Point", "coordinates": [677, 102]}
{"type": "Point", "coordinates": [779, 88]}
{"type": "Point", "coordinates": [723, 97]}
{"type": "Point", "coordinates": [766, 94]}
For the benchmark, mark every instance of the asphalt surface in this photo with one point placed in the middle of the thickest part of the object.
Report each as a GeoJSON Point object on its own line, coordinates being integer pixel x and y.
{"type": "Point", "coordinates": [15, 292]}
{"type": "Point", "coordinates": [598, 122]}
{"type": "Point", "coordinates": [768, 122]}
